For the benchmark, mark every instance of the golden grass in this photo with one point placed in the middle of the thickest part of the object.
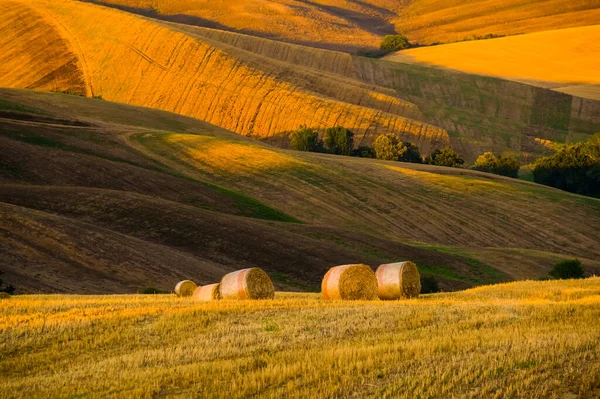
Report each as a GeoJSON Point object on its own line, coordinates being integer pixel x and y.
{"type": "Point", "coordinates": [345, 25]}
{"type": "Point", "coordinates": [251, 283]}
{"type": "Point", "coordinates": [427, 21]}
{"type": "Point", "coordinates": [349, 282]}
{"type": "Point", "coordinates": [566, 57]}
{"type": "Point", "coordinates": [398, 281]}
{"type": "Point", "coordinates": [126, 58]}
{"type": "Point", "coordinates": [526, 339]}
{"type": "Point", "coordinates": [185, 288]}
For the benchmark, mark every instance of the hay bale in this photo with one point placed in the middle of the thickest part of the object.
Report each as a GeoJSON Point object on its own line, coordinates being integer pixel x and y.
{"type": "Point", "coordinates": [350, 282]}
{"type": "Point", "coordinates": [398, 281]}
{"type": "Point", "coordinates": [211, 292]}
{"type": "Point", "coordinates": [251, 283]}
{"type": "Point", "coordinates": [185, 288]}
{"type": "Point", "coordinates": [4, 295]}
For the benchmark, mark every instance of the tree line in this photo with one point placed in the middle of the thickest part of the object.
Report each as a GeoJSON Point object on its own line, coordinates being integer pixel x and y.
{"type": "Point", "coordinates": [340, 141]}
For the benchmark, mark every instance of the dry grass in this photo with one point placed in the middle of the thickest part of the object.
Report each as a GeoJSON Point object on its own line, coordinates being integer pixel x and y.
{"type": "Point", "coordinates": [526, 339]}
{"type": "Point", "coordinates": [349, 25]}
{"type": "Point", "coordinates": [126, 58]}
{"type": "Point", "coordinates": [556, 58]}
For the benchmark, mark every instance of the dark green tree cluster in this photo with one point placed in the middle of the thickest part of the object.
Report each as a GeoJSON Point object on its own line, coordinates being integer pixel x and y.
{"type": "Point", "coordinates": [389, 147]}
{"type": "Point", "coordinates": [391, 43]}
{"type": "Point", "coordinates": [502, 165]}
{"type": "Point", "coordinates": [339, 140]}
{"type": "Point", "coordinates": [445, 157]}
{"type": "Point", "coordinates": [305, 139]}
{"type": "Point", "coordinates": [574, 168]}
{"type": "Point", "coordinates": [567, 269]}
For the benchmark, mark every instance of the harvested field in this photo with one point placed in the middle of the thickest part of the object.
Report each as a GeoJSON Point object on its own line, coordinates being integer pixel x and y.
{"type": "Point", "coordinates": [525, 339]}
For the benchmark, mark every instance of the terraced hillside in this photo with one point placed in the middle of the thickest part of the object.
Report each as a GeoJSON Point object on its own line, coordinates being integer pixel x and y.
{"type": "Point", "coordinates": [566, 60]}
{"type": "Point", "coordinates": [103, 197]}
{"type": "Point", "coordinates": [263, 88]}
{"type": "Point", "coordinates": [352, 25]}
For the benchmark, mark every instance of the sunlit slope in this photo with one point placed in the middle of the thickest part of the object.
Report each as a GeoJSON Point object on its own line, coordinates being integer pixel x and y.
{"type": "Point", "coordinates": [427, 21]}
{"type": "Point", "coordinates": [263, 88]}
{"type": "Point", "coordinates": [35, 52]}
{"type": "Point", "coordinates": [554, 59]}
{"type": "Point", "coordinates": [130, 59]}
{"type": "Point", "coordinates": [91, 168]}
{"type": "Point", "coordinates": [524, 339]}
{"type": "Point", "coordinates": [352, 25]}
{"type": "Point", "coordinates": [480, 113]}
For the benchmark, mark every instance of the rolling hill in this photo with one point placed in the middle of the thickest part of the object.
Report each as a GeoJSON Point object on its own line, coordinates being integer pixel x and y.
{"type": "Point", "coordinates": [104, 197]}
{"type": "Point", "coordinates": [566, 60]}
{"type": "Point", "coordinates": [262, 88]}
{"type": "Point", "coordinates": [354, 25]}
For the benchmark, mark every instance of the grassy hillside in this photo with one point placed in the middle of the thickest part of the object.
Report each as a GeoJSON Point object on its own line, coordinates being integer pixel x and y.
{"type": "Point", "coordinates": [555, 59]}
{"type": "Point", "coordinates": [352, 25]}
{"type": "Point", "coordinates": [525, 339]}
{"type": "Point", "coordinates": [90, 190]}
{"type": "Point", "coordinates": [263, 89]}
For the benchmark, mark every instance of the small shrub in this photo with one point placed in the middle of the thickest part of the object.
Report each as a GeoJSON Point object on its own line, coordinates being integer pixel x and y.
{"type": "Point", "coordinates": [504, 165]}
{"type": "Point", "coordinates": [9, 289]}
{"type": "Point", "coordinates": [305, 139]}
{"type": "Point", "coordinates": [567, 269]}
{"type": "Point", "coordinates": [393, 43]}
{"type": "Point", "coordinates": [339, 140]}
{"type": "Point", "coordinates": [364, 152]}
{"type": "Point", "coordinates": [445, 157]}
{"type": "Point", "coordinates": [152, 290]}
{"type": "Point", "coordinates": [429, 285]}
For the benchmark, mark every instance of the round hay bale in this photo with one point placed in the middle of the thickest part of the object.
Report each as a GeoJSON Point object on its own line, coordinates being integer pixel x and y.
{"type": "Point", "coordinates": [350, 282]}
{"type": "Point", "coordinates": [398, 281]}
{"type": "Point", "coordinates": [4, 295]}
{"type": "Point", "coordinates": [210, 292]}
{"type": "Point", "coordinates": [251, 283]}
{"type": "Point", "coordinates": [185, 288]}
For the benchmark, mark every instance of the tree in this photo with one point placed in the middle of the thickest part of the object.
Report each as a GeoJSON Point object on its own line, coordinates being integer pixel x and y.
{"type": "Point", "coordinates": [305, 139]}
{"type": "Point", "coordinates": [429, 285]}
{"type": "Point", "coordinates": [568, 268]}
{"type": "Point", "coordinates": [504, 165]}
{"type": "Point", "coordinates": [389, 147]}
{"type": "Point", "coordinates": [411, 154]}
{"type": "Point", "coordinates": [393, 43]}
{"type": "Point", "coordinates": [445, 157]}
{"type": "Point", "coordinates": [574, 168]}
{"type": "Point", "coordinates": [339, 140]}
{"type": "Point", "coordinates": [364, 152]}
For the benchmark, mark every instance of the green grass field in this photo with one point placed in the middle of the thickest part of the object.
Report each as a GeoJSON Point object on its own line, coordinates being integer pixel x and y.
{"type": "Point", "coordinates": [521, 340]}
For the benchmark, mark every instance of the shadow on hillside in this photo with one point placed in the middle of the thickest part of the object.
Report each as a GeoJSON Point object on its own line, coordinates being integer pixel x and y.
{"type": "Point", "coordinates": [369, 23]}
{"type": "Point", "coordinates": [206, 23]}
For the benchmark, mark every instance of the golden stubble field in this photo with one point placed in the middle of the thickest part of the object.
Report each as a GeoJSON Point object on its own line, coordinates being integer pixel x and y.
{"type": "Point", "coordinates": [351, 25]}
{"type": "Point", "coordinates": [524, 339]}
{"type": "Point", "coordinates": [566, 60]}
